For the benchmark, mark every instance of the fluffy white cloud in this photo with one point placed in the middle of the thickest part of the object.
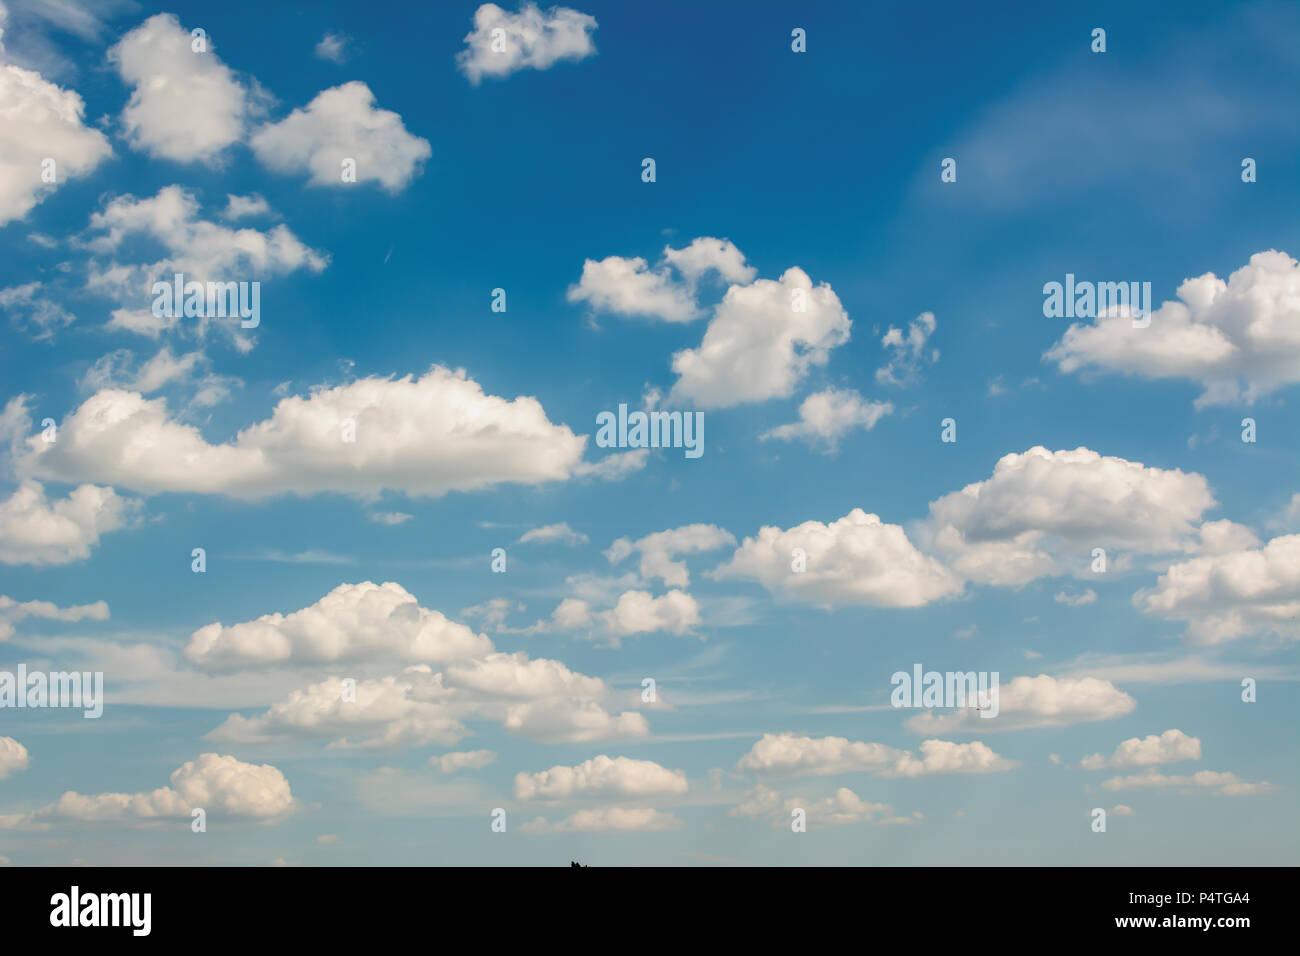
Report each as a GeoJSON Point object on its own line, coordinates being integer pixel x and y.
{"type": "Point", "coordinates": [638, 612]}
{"type": "Point", "coordinates": [1169, 747]}
{"type": "Point", "coordinates": [844, 806]}
{"type": "Point", "coordinates": [12, 611]}
{"type": "Point", "coordinates": [242, 207]}
{"type": "Point", "coordinates": [13, 757]}
{"type": "Point", "coordinates": [607, 820]}
{"type": "Point", "coordinates": [1232, 595]}
{"type": "Point", "coordinates": [1238, 339]}
{"type": "Point", "coordinates": [1040, 701]}
{"type": "Point", "coordinates": [502, 43]}
{"type": "Point", "coordinates": [38, 120]}
{"type": "Point", "coordinates": [422, 436]}
{"type": "Point", "coordinates": [825, 416]}
{"type": "Point", "coordinates": [761, 342]}
{"type": "Point", "coordinates": [794, 755]}
{"type": "Point", "coordinates": [601, 776]}
{"type": "Point", "coordinates": [37, 530]}
{"type": "Point", "coordinates": [658, 550]}
{"type": "Point", "coordinates": [343, 123]}
{"type": "Point", "coordinates": [353, 622]}
{"type": "Point", "coordinates": [1219, 783]}
{"type": "Point", "coordinates": [1089, 596]}
{"type": "Point", "coordinates": [632, 287]}
{"type": "Point", "coordinates": [1037, 506]}
{"type": "Point", "coordinates": [907, 351]}
{"type": "Point", "coordinates": [464, 760]}
{"type": "Point", "coordinates": [856, 560]}
{"type": "Point", "coordinates": [407, 710]}
{"type": "Point", "coordinates": [184, 105]}
{"type": "Point", "coordinates": [222, 786]}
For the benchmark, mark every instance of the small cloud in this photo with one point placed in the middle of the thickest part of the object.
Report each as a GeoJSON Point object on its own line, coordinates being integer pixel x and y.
{"type": "Point", "coordinates": [390, 518]}
{"type": "Point", "coordinates": [1075, 600]}
{"type": "Point", "coordinates": [333, 47]}
{"type": "Point", "coordinates": [553, 532]}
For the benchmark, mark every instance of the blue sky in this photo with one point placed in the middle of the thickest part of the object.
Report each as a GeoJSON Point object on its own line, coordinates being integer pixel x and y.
{"type": "Point", "coordinates": [521, 169]}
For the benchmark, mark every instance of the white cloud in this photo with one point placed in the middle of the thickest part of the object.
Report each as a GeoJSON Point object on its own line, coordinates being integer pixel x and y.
{"type": "Point", "coordinates": [1089, 596]}
{"type": "Point", "coordinates": [856, 560]}
{"type": "Point", "coordinates": [12, 611]}
{"type": "Point", "coordinates": [37, 530]}
{"type": "Point", "coordinates": [1239, 339]}
{"type": "Point", "coordinates": [632, 287]}
{"type": "Point", "coordinates": [343, 123]}
{"type": "Point", "coordinates": [843, 807]}
{"type": "Point", "coordinates": [601, 776]}
{"type": "Point", "coordinates": [553, 532]}
{"type": "Point", "coordinates": [658, 550]}
{"type": "Point", "coordinates": [332, 47]}
{"type": "Point", "coordinates": [13, 757]}
{"type": "Point", "coordinates": [1040, 701]}
{"type": "Point", "coordinates": [390, 518]}
{"type": "Point", "coordinates": [607, 820]}
{"type": "Point", "coordinates": [794, 755]}
{"type": "Point", "coordinates": [1040, 505]}
{"type": "Point", "coordinates": [353, 622]}
{"type": "Point", "coordinates": [421, 436]}
{"type": "Point", "coordinates": [907, 351]}
{"type": "Point", "coordinates": [1218, 783]}
{"type": "Point", "coordinates": [1237, 594]}
{"type": "Point", "coordinates": [1169, 747]}
{"type": "Point", "coordinates": [222, 786]}
{"type": "Point", "coordinates": [759, 345]}
{"type": "Point", "coordinates": [38, 120]}
{"type": "Point", "coordinates": [464, 760]}
{"type": "Point", "coordinates": [502, 43]}
{"type": "Point", "coordinates": [637, 612]}
{"type": "Point", "coordinates": [825, 416]}
{"type": "Point", "coordinates": [30, 309]}
{"type": "Point", "coordinates": [184, 105]}
{"type": "Point", "coordinates": [241, 207]}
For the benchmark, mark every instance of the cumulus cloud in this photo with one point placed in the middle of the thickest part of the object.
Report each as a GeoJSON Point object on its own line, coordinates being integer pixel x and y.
{"type": "Point", "coordinates": [463, 760]}
{"type": "Point", "coordinates": [343, 123]}
{"type": "Point", "coordinates": [844, 806]}
{"type": "Point", "coordinates": [225, 788]}
{"type": "Point", "coordinates": [1088, 596]}
{"type": "Point", "coordinates": [761, 342]}
{"type": "Point", "coordinates": [824, 417]}
{"type": "Point", "coordinates": [13, 757]}
{"type": "Point", "coordinates": [421, 436]}
{"type": "Point", "coordinates": [1037, 506]}
{"type": "Point", "coordinates": [12, 611]}
{"type": "Point", "coordinates": [638, 612]}
{"type": "Point", "coordinates": [794, 755]}
{"type": "Point", "coordinates": [353, 622]}
{"type": "Point", "coordinates": [659, 549]}
{"type": "Point", "coordinates": [631, 287]}
{"type": "Point", "coordinates": [1223, 597]}
{"type": "Point", "coordinates": [35, 529]}
{"type": "Point", "coordinates": [1169, 747]}
{"type": "Point", "coordinates": [855, 560]}
{"type": "Point", "coordinates": [502, 43]}
{"type": "Point", "coordinates": [204, 251]}
{"type": "Point", "coordinates": [907, 351]}
{"type": "Point", "coordinates": [38, 120]}
{"type": "Point", "coordinates": [1239, 339]}
{"type": "Point", "coordinates": [1040, 701]}
{"type": "Point", "coordinates": [184, 105]}
{"type": "Point", "coordinates": [601, 776]}
{"type": "Point", "coordinates": [607, 820]}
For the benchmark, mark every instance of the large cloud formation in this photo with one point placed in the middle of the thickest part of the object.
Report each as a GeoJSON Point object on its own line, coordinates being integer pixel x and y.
{"type": "Point", "coordinates": [421, 436]}
{"type": "Point", "coordinates": [1239, 339]}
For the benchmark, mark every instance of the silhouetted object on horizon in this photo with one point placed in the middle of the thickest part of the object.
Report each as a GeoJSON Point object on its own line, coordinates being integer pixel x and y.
{"type": "Point", "coordinates": [572, 863]}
